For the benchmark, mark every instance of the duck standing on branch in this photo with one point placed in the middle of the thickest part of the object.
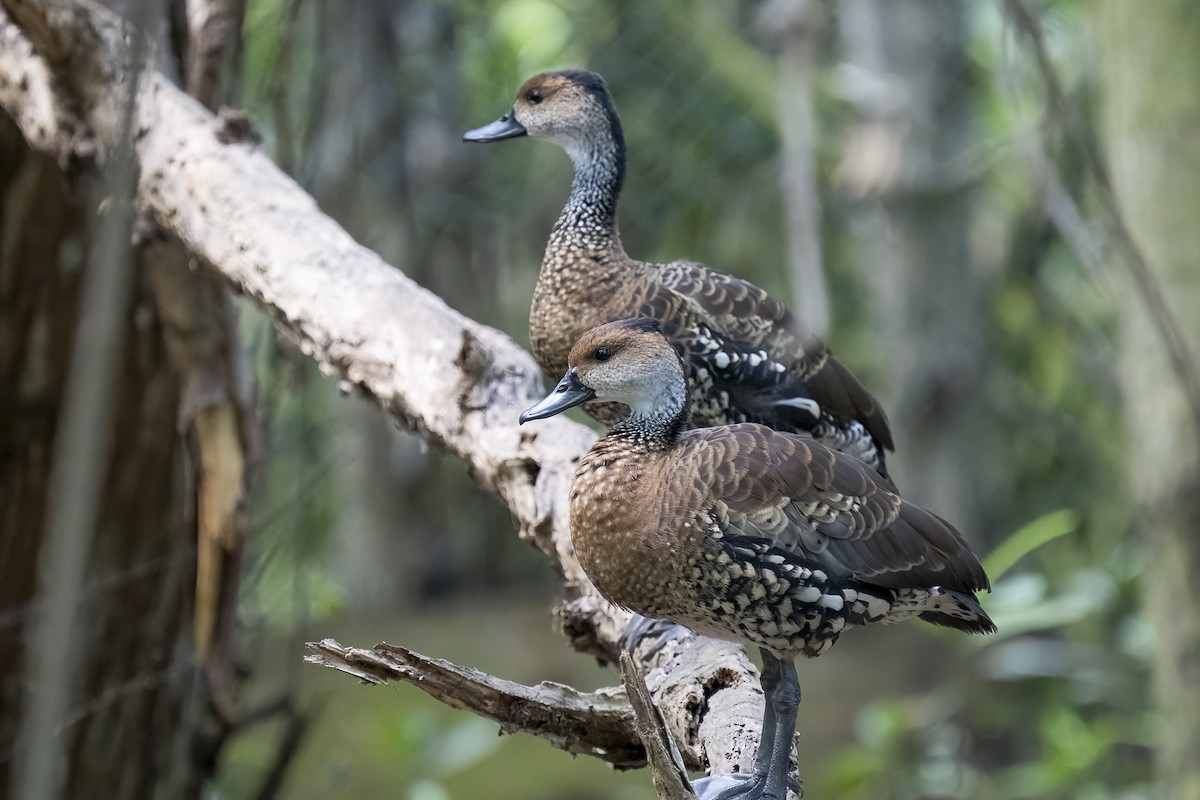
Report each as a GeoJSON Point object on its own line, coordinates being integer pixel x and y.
{"type": "Point", "coordinates": [745, 533]}
{"type": "Point", "coordinates": [747, 358]}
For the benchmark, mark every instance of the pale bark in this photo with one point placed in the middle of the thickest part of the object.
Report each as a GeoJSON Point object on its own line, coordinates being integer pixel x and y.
{"type": "Point", "coordinates": [1152, 133]}
{"type": "Point", "coordinates": [666, 764]}
{"type": "Point", "coordinates": [450, 380]}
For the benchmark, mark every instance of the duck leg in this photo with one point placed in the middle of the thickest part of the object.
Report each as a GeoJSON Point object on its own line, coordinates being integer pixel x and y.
{"type": "Point", "coordinates": [769, 680]}
{"type": "Point", "coordinates": [770, 779]}
{"type": "Point", "coordinates": [786, 702]}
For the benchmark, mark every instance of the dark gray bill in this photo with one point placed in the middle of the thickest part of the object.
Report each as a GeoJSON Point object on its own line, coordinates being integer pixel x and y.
{"type": "Point", "coordinates": [569, 393]}
{"type": "Point", "coordinates": [506, 127]}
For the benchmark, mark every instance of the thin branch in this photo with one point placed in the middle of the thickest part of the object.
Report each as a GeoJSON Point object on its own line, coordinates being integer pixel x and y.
{"type": "Point", "coordinates": [1147, 287]}
{"type": "Point", "coordinates": [447, 378]}
{"type": "Point", "coordinates": [297, 722]}
{"type": "Point", "coordinates": [599, 723]}
{"type": "Point", "coordinates": [1059, 207]}
{"type": "Point", "coordinates": [1064, 214]}
{"type": "Point", "coordinates": [670, 774]}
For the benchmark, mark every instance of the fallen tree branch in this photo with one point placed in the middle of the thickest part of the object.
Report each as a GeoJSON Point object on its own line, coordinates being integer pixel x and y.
{"type": "Point", "coordinates": [443, 376]}
{"type": "Point", "coordinates": [599, 723]}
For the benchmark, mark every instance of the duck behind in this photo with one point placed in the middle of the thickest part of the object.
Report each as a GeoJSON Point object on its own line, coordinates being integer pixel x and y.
{"type": "Point", "coordinates": [747, 358]}
{"type": "Point", "coordinates": [745, 533]}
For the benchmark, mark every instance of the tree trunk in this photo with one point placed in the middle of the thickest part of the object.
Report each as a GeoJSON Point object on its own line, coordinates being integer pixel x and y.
{"type": "Point", "coordinates": [796, 26]}
{"type": "Point", "coordinates": [167, 539]}
{"type": "Point", "coordinates": [1152, 128]}
{"type": "Point", "coordinates": [135, 678]}
{"type": "Point", "coordinates": [216, 414]}
{"type": "Point", "coordinates": [904, 159]}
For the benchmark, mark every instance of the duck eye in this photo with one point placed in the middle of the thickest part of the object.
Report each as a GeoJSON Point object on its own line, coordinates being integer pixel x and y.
{"type": "Point", "coordinates": [534, 96]}
{"type": "Point", "coordinates": [602, 353]}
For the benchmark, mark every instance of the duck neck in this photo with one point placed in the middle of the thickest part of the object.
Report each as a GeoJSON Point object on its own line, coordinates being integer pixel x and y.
{"type": "Point", "coordinates": [657, 425]}
{"type": "Point", "coordinates": [589, 219]}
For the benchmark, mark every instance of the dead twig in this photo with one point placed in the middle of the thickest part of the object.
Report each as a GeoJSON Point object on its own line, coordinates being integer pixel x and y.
{"type": "Point", "coordinates": [666, 764]}
{"type": "Point", "coordinates": [599, 723]}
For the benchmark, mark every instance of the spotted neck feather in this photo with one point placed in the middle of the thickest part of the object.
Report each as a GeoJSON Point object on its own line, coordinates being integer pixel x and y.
{"type": "Point", "coordinates": [657, 425]}
{"type": "Point", "coordinates": [588, 222]}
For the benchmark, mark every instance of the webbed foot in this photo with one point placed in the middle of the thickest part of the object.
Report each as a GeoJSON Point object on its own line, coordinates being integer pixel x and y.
{"type": "Point", "coordinates": [658, 631]}
{"type": "Point", "coordinates": [740, 786]}
{"type": "Point", "coordinates": [730, 786]}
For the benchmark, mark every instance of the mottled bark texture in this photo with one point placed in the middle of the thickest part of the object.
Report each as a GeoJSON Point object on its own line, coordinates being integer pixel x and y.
{"type": "Point", "coordinates": [452, 381]}
{"type": "Point", "coordinates": [1150, 74]}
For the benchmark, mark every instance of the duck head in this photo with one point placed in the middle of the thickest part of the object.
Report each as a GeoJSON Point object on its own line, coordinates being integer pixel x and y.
{"type": "Point", "coordinates": [629, 361]}
{"type": "Point", "coordinates": [571, 108]}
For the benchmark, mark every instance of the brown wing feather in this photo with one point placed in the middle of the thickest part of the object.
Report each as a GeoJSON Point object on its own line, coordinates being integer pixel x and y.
{"type": "Point", "coordinates": [828, 508]}
{"type": "Point", "coordinates": [685, 292]}
{"type": "Point", "coordinates": [834, 387]}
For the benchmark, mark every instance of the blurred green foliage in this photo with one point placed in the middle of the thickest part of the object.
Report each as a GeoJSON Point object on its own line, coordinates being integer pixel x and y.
{"type": "Point", "coordinates": [364, 103]}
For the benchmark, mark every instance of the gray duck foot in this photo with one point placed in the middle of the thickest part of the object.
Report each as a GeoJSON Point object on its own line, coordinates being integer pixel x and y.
{"type": "Point", "coordinates": [658, 631]}
{"type": "Point", "coordinates": [740, 786]}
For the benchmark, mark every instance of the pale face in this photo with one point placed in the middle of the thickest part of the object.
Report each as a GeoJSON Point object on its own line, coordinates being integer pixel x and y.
{"type": "Point", "coordinates": [550, 106]}
{"type": "Point", "coordinates": [629, 361]}
{"type": "Point", "coordinates": [639, 369]}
